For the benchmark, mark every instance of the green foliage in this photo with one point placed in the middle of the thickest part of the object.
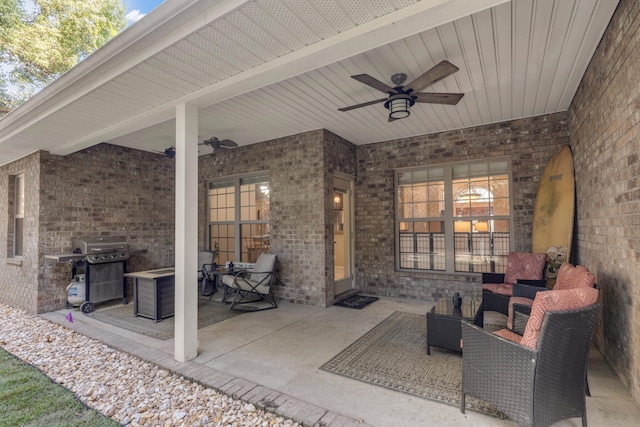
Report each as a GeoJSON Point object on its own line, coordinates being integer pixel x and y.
{"type": "Point", "coordinates": [29, 398]}
{"type": "Point", "coordinates": [41, 39]}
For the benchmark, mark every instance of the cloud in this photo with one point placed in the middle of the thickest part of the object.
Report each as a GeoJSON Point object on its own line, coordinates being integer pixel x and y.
{"type": "Point", "coordinates": [134, 16]}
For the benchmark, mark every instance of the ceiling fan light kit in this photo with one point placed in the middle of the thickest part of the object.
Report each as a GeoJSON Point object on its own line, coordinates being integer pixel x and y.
{"type": "Point", "coordinates": [398, 106]}
{"type": "Point", "coordinates": [401, 98]}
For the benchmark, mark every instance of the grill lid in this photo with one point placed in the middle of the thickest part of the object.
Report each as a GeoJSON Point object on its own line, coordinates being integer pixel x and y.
{"type": "Point", "coordinates": [97, 245]}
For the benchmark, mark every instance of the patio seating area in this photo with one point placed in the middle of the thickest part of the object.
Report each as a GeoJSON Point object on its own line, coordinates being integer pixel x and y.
{"type": "Point", "coordinates": [281, 352]}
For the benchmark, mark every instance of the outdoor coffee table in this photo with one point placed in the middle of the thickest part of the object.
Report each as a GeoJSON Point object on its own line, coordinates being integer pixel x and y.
{"type": "Point", "coordinates": [443, 323]}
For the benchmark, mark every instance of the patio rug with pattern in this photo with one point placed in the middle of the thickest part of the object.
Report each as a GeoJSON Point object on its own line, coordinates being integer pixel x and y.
{"type": "Point", "coordinates": [393, 355]}
{"type": "Point", "coordinates": [209, 312]}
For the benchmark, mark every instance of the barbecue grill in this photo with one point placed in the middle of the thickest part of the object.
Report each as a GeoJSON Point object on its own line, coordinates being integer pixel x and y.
{"type": "Point", "coordinates": [104, 262]}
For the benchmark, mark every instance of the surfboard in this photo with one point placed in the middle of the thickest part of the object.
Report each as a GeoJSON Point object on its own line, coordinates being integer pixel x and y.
{"type": "Point", "coordinates": [553, 213]}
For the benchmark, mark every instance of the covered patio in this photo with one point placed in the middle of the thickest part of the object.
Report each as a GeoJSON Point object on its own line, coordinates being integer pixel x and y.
{"type": "Point", "coordinates": [272, 76]}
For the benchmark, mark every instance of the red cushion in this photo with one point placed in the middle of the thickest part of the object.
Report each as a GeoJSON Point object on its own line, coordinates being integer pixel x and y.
{"type": "Point", "coordinates": [525, 266]}
{"type": "Point", "coordinates": [509, 335]}
{"type": "Point", "coordinates": [516, 300]}
{"type": "Point", "coordinates": [499, 288]}
{"type": "Point", "coordinates": [555, 300]}
{"type": "Point", "coordinates": [570, 277]}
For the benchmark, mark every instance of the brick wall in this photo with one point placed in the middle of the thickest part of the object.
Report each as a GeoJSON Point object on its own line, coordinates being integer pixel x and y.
{"type": "Point", "coordinates": [295, 166]}
{"type": "Point", "coordinates": [529, 143]}
{"type": "Point", "coordinates": [19, 278]}
{"type": "Point", "coordinates": [103, 190]}
{"type": "Point", "coordinates": [605, 138]}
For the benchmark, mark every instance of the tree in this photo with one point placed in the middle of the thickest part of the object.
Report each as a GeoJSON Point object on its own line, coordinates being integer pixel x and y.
{"type": "Point", "coordinates": [41, 39]}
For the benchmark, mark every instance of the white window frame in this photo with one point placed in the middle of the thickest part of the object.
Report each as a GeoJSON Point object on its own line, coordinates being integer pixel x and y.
{"type": "Point", "coordinates": [18, 215]}
{"type": "Point", "coordinates": [448, 217]}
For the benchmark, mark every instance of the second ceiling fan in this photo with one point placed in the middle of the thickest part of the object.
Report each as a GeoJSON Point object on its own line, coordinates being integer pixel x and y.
{"type": "Point", "coordinates": [217, 144]}
{"type": "Point", "coordinates": [402, 97]}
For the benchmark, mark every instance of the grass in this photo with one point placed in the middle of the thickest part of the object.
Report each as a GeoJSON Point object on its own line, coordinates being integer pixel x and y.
{"type": "Point", "coordinates": [28, 398]}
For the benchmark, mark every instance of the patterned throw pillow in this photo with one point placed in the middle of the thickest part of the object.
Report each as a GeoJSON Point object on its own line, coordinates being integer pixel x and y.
{"type": "Point", "coordinates": [555, 300]}
{"type": "Point", "coordinates": [570, 277]}
{"type": "Point", "coordinates": [525, 266]}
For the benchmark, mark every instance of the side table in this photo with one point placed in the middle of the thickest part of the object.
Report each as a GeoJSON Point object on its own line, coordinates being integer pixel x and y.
{"type": "Point", "coordinates": [153, 293]}
{"type": "Point", "coordinates": [443, 323]}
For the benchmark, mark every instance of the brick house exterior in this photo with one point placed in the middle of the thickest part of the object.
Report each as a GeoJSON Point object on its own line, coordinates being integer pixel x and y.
{"type": "Point", "coordinates": [113, 190]}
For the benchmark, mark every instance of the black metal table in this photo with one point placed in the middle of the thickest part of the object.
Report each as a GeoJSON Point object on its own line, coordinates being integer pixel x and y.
{"type": "Point", "coordinates": [443, 323]}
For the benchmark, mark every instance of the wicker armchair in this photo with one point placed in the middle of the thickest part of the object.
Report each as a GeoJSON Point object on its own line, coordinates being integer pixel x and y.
{"type": "Point", "coordinates": [537, 382]}
{"type": "Point", "coordinates": [569, 277]}
{"type": "Point", "coordinates": [522, 267]}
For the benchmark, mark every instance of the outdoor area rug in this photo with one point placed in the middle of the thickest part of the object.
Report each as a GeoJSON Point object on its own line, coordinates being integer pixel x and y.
{"type": "Point", "coordinates": [356, 301]}
{"type": "Point", "coordinates": [209, 312]}
{"type": "Point", "coordinates": [393, 355]}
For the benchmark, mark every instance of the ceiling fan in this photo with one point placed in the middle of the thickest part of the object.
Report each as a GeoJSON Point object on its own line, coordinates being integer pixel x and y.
{"type": "Point", "coordinates": [402, 97]}
{"type": "Point", "coordinates": [217, 144]}
{"type": "Point", "coordinates": [214, 143]}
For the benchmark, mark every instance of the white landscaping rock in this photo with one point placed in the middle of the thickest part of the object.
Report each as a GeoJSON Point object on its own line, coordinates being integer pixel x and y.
{"type": "Point", "coordinates": [127, 389]}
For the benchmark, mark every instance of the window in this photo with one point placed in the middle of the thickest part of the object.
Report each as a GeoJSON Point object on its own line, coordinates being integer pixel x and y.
{"type": "Point", "coordinates": [239, 218]}
{"type": "Point", "coordinates": [17, 230]}
{"type": "Point", "coordinates": [454, 218]}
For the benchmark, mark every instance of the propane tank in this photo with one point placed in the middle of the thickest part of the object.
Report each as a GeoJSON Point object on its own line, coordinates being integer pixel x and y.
{"type": "Point", "coordinates": [76, 291]}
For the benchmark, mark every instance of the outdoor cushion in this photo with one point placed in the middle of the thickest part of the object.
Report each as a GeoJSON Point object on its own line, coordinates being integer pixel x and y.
{"type": "Point", "coordinates": [498, 288]}
{"type": "Point", "coordinates": [570, 277]}
{"type": "Point", "coordinates": [524, 265]}
{"type": "Point", "coordinates": [509, 335]}
{"type": "Point", "coordinates": [246, 284]}
{"type": "Point", "coordinates": [555, 300]}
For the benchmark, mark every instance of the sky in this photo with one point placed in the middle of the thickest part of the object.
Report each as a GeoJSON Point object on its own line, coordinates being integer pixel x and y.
{"type": "Point", "coordinates": [136, 9]}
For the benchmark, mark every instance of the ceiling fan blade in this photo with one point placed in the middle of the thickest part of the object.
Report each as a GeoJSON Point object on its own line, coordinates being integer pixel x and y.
{"type": "Point", "coordinates": [438, 98]}
{"type": "Point", "coordinates": [227, 143]}
{"type": "Point", "coordinates": [210, 142]}
{"type": "Point", "coordinates": [374, 83]}
{"type": "Point", "coordinates": [364, 104]}
{"type": "Point", "coordinates": [435, 74]}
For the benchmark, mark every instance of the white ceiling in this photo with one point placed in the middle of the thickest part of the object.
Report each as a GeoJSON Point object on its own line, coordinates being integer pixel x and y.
{"type": "Point", "coordinates": [263, 69]}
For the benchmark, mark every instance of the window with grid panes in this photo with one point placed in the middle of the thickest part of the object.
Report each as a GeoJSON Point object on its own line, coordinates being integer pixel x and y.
{"type": "Point", "coordinates": [454, 218]}
{"type": "Point", "coordinates": [239, 218]}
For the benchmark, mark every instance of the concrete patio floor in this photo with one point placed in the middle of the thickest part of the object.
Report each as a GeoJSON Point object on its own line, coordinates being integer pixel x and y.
{"type": "Point", "coordinates": [277, 354]}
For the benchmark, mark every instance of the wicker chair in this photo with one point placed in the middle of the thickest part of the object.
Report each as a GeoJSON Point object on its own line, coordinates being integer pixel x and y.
{"type": "Point", "coordinates": [569, 277]}
{"type": "Point", "coordinates": [534, 386]}
{"type": "Point", "coordinates": [522, 267]}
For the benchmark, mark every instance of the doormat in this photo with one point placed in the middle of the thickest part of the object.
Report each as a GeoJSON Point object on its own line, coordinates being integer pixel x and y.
{"type": "Point", "coordinates": [393, 355]}
{"type": "Point", "coordinates": [209, 312]}
{"type": "Point", "coordinates": [356, 301]}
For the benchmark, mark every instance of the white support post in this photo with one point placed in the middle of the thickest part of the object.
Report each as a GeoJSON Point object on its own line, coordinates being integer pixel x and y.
{"type": "Point", "coordinates": [186, 238]}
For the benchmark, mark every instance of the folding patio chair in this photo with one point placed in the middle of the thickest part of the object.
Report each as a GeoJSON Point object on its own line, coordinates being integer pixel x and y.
{"type": "Point", "coordinates": [253, 286]}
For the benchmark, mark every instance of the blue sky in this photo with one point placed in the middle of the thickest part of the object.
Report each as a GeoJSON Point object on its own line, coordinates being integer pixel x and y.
{"type": "Point", "coordinates": [136, 9]}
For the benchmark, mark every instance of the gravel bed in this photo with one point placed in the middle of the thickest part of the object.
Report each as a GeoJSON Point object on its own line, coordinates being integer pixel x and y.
{"type": "Point", "coordinates": [123, 387]}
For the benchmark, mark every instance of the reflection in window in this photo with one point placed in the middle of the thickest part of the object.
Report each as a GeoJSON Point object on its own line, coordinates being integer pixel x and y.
{"type": "Point", "coordinates": [454, 218]}
{"type": "Point", "coordinates": [239, 218]}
